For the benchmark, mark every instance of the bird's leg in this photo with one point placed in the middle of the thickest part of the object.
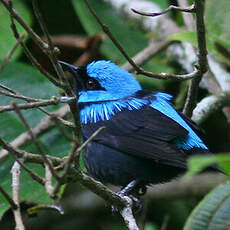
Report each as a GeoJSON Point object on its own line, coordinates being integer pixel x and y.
{"type": "Point", "coordinates": [128, 188]}
{"type": "Point", "coordinates": [133, 186]}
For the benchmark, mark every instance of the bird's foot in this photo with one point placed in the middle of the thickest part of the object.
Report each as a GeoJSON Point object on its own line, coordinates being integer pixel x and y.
{"type": "Point", "coordinates": [133, 190]}
{"type": "Point", "coordinates": [136, 203]}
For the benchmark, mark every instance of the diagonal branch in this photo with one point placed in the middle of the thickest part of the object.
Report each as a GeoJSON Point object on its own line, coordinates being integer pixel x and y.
{"type": "Point", "coordinates": [17, 155]}
{"type": "Point", "coordinates": [74, 156]}
{"type": "Point", "coordinates": [144, 55]}
{"type": "Point", "coordinates": [28, 157]}
{"type": "Point", "coordinates": [32, 58]}
{"type": "Point", "coordinates": [8, 198]}
{"type": "Point", "coordinates": [139, 70]}
{"type": "Point", "coordinates": [34, 36]}
{"type": "Point", "coordinates": [44, 125]}
{"type": "Point", "coordinates": [33, 138]}
{"type": "Point", "coordinates": [10, 54]}
{"type": "Point", "coordinates": [51, 49]}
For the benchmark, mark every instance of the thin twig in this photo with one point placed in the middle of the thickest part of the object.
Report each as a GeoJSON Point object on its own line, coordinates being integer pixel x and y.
{"type": "Point", "coordinates": [52, 101]}
{"type": "Point", "coordinates": [190, 9]}
{"type": "Point", "coordinates": [61, 129]}
{"type": "Point", "coordinates": [32, 58]}
{"type": "Point", "coordinates": [191, 99]}
{"type": "Point", "coordinates": [44, 125]}
{"type": "Point", "coordinates": [16, 171]}
{"type": "Point", "coordinates": [139, 70]}
{"type": "Point", "coordinates": [144, 55]}
{"type": "Point", "coordinates": [7, 88]}
{"type": "Point", "coordinates": [29, 30]}
{"type": "Point", "coordinates": [33, 138]}
{"type": "Point", "coordinates": [54, 116]}
{"type": "Point", "coordinates": [10, 54]}
{"type": "Point", "coordinates": [75, 154]}
{"type": "Point", "coordinates": [22, 155]}
{"type": "Point", "coordinates": [8, 198]}
{"type": "Point", "coordinates": [51, 47]}
{"type": "Point", "coordinates": [28, 157]}
{"type": "Point", "coordinates": [19, 96]}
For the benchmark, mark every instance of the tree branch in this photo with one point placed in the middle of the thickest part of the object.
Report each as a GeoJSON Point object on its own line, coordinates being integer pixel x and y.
{"type": "Point", "coordinates": [10, 54]}
{"type": "Point", "coordinates": [44, 125]}
{"type": "Point", "coordinates": [34, 36]}
{"type": "Point", "coordinates": [147, 53]}
{"type": "Point", "coordinates": [8, 198]}
{"type": "Point", "coordinates": [53, 101]}
{"type": "Point", "coordinates": [34, 139]}
{"type": "Point", "coordinates": [210, 105]}
{"type": "Point", "coordinates": [16, 171]}
{"type": "Point", "coordinates": [139, 70]}
{"type": "Point", "coordinates": [128, 217]}
{"type": "Point", "coordinates": [190, 9]}
{"type": "Point", "coordinates": [202, 59]}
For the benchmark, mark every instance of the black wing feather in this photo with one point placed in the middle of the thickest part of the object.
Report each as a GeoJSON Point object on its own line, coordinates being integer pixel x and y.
{"type": "Point", "coordinates": [145, 133]}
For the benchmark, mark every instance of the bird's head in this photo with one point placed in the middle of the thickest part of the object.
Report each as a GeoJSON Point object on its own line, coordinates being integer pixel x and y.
{"type": "Point", "coordinates": [102, 81]}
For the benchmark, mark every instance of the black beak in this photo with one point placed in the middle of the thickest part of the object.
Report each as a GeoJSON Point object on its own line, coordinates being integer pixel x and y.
{"type": "Point", "coordinates": [78, 84]}
{"type": "Point", "coordinates": [68, 67]}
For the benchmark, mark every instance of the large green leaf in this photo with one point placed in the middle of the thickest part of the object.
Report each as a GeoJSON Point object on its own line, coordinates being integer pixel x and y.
{"type": "Point", "coordinates": [213, 212]}
{"type": "Point", "coordinates": [7, 39]}
{"type": "Point", "coordinates": [28, 81]}
{"type": "Point", "coordinates": [197, 163]}
{"type": "Point", "coordinates": [131, 39]}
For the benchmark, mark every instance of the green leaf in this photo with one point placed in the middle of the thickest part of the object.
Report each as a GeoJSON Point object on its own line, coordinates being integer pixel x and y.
{"type": "Point", "coordinates": [185, 36]}
{"type": "Point", "coordinates": [217, 28]}
{"type": "Point", "coordinates": [29, 189]}
{"type": "Point", "coordinates": [197, 163]}
{"type": "Point", "coordinates": [132, 39]}
{"type": "Point", "coordinates": [7, 40]}
{"type": "Point", "coordinates": [217, 21]}
{"type": "Point", "coordinates": [213, 212]}
{"type": "Point", "coordinates": [28, 81]}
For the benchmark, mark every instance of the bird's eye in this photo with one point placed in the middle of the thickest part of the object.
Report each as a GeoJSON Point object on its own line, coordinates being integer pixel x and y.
{"type": "Point", "coordinates": [91, 84]}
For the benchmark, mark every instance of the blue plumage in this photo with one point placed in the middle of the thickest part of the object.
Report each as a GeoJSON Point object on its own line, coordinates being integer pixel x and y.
{"type": "Point", "coordinates": [192, 139]}
{"type": "Point", "coordinates": [145, 139]}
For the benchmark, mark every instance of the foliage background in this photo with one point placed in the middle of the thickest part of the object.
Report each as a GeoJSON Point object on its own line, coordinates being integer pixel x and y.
{"type": "Point", "coordinates": [82, 208]}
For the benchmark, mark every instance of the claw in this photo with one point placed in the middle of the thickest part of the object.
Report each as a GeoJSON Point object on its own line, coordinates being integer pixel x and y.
{"type": "Point", "coordinates": [137, 204]}
{"type": "Point", "coordinates": [134, 187]}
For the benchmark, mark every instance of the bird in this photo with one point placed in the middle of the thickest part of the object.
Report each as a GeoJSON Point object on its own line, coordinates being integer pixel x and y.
{"type": "Point", "coordinates": [145, 141]}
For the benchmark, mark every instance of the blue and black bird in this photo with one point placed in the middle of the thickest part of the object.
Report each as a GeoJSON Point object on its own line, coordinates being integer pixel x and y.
{"type": "Point", "coordinates": [145, 140]}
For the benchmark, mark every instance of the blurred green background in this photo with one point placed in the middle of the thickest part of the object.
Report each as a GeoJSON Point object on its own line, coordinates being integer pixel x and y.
{"type": "Point", "coordinates": [73, 27]}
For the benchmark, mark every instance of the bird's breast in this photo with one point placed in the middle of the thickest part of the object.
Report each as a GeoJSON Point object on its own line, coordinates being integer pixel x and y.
{"type": "Point", "coordinates": [101, 111]}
